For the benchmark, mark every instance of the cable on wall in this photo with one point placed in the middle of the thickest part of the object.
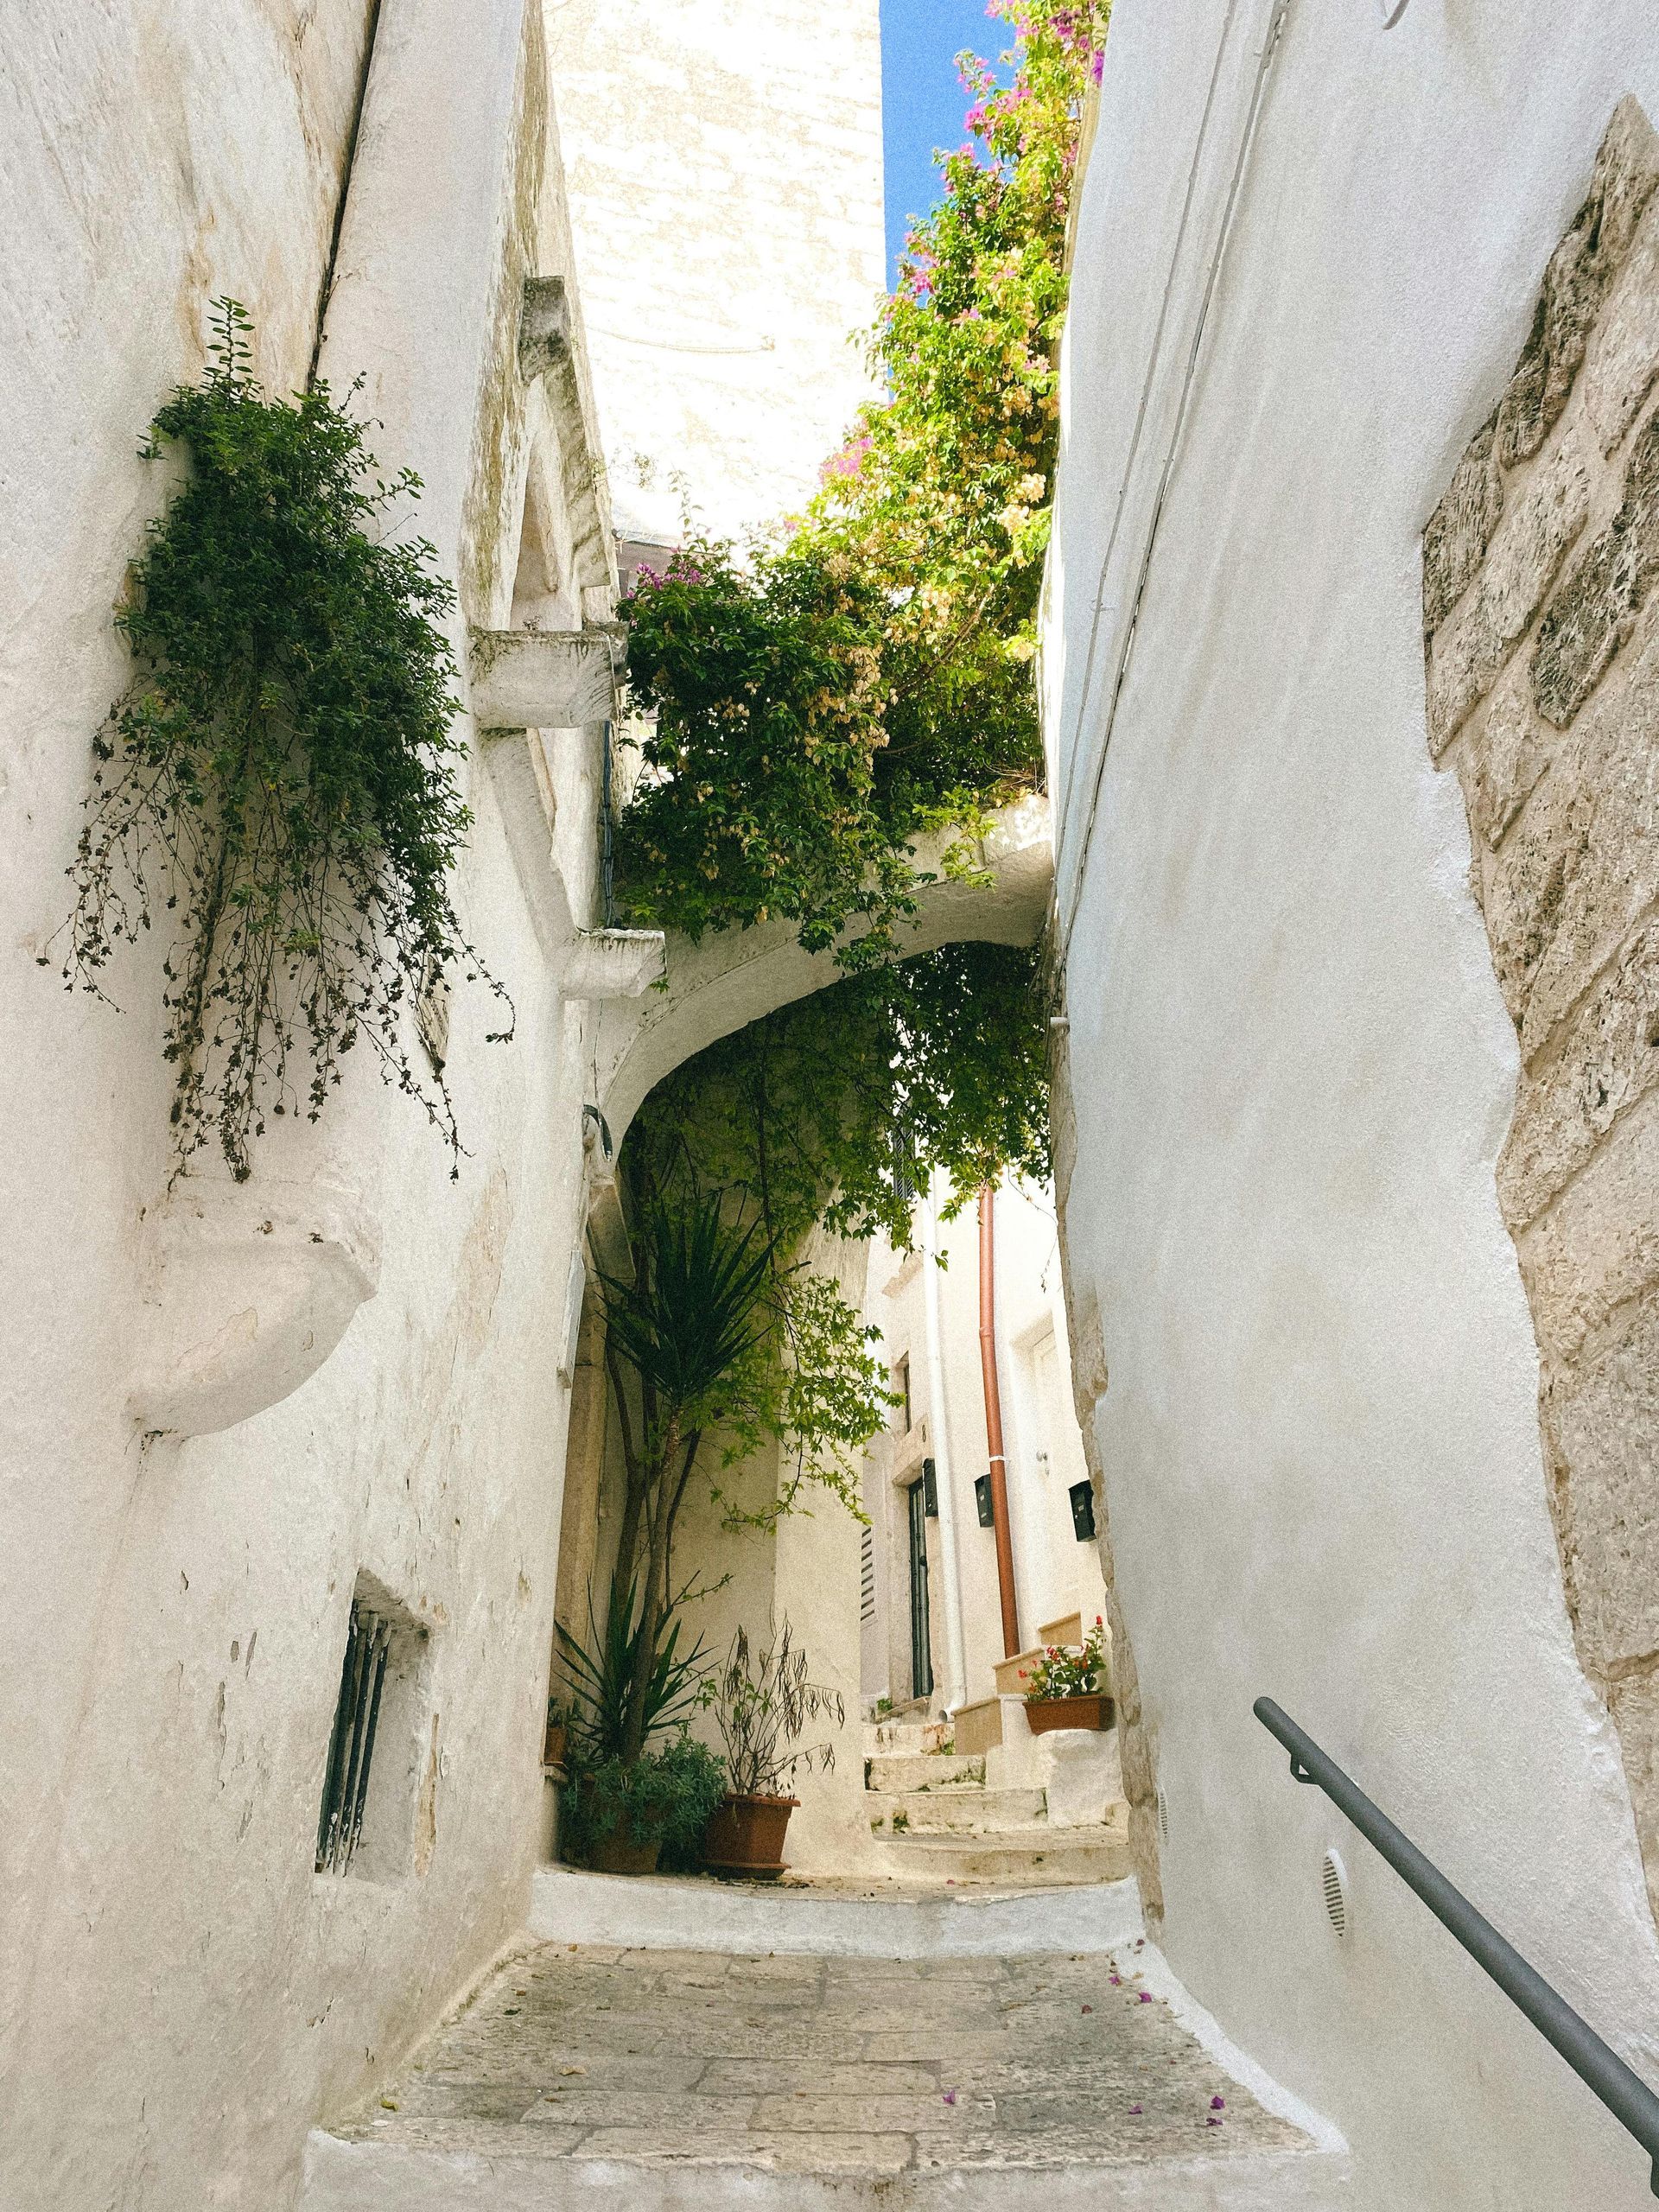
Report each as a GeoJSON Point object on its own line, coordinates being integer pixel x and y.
{"type": "Point", "coordinates": [1218, 259]}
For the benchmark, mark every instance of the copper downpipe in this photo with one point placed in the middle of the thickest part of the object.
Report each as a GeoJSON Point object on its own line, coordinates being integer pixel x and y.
{"type": "Point", "coordinates": [994, 1420]}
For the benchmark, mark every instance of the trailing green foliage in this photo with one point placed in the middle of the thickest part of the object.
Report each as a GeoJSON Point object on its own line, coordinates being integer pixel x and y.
{"type": "Point", "coordinates": [280, 773]}
{"type": "Point", "coordinates": [822, 1112]}
{"type": "Point", "coordinates": [818, 1117]}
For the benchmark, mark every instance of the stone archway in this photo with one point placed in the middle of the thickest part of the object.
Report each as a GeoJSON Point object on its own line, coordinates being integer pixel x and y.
{"type": "Point", "coordinates": [737, 977]}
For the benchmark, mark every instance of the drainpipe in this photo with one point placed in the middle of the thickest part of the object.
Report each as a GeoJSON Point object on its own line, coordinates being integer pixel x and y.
{"type": "Point", "coordinates": [994, 1421]}
{"type": "Point", "coordinates": [938, 1416]}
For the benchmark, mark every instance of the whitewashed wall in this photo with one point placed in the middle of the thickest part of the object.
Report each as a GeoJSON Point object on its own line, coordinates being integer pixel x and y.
{"type": "Point", "coordinates": [181, 1996]}
{"type": "Point", "coordinates": [1293, 1070]}
{"type": "Point", "coordinates": [725, 191]}
{"type": "Point", "coordinates": [1054, 1575]}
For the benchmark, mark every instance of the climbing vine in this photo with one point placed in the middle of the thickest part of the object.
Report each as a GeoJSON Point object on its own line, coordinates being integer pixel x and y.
{"type": "Point", "coordinates": [279, 775]}
{"type": "Point", "coordinates": [820, 702]}
{"type": "Point", "coordinates": [815, 705]}
{"type": "Point", "coordinates": [825, 1114]}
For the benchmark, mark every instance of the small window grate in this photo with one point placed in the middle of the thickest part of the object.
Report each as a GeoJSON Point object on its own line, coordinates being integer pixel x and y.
{"type": "Point", "coordinates": [1333, 1880]}
{"type": "Point", "coordinates": [866, 1575]}
{"type": "Point", "coordinates": [351, 1748]}
{"type": "Point", "coordinates": [1163, 1818]}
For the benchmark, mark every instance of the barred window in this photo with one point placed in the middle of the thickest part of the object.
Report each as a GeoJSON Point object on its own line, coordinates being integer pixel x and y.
{"type": "Point", "coordinates": [351, 1748]}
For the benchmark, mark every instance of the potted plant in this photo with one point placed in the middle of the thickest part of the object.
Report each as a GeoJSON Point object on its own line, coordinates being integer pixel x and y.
{"type": "Point", "coordinates": [763, 1703]}
{"type": "Point", "coordinates": [1067, 1687]}
{"type": "Point", "coordinates": [627, 1802]}
{"type": "Point", "coordinates": [628, 1816]}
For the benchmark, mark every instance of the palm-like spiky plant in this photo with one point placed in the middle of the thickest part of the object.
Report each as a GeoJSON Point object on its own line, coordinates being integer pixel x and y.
{"type": "Point", "coordinates": [700, 1301]}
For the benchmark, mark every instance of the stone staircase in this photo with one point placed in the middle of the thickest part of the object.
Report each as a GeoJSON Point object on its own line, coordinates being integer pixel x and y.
{"type": "Point", "coordinates": [938, 1816]}
{"type": "Point", "coordinates": [829, 2079]}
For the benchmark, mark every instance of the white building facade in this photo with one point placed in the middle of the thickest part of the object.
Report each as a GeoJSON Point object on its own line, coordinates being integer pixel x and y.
{"type": "Point", "coordinates": [1362, 355]}
{"type": "Point", "coordinates": [930, 1597]}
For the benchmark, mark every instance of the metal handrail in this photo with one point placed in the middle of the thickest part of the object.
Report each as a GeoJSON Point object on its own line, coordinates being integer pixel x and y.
{"type": "Point", "coordinates": [1629, 2098]}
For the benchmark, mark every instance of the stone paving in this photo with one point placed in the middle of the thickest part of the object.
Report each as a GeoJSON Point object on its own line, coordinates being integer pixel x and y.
{"type": "Point", "coordinates": [828, 2066]}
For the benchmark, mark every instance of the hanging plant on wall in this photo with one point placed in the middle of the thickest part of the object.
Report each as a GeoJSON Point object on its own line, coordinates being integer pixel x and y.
{"type": "Point", "coordinates": [280, 773]}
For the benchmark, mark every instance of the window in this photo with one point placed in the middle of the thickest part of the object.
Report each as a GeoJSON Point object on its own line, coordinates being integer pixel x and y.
{"type": "Point", "coordinates": [365, 1821]}
{"type": "Point", "coordinates": [351, 1749]}
{"type": "Point", "coordinates": [901, 1391]}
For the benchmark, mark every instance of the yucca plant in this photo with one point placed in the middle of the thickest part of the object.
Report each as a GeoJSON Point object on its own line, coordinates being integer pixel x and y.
{"type": "Point", "coordinates": [700, 1300]}
{"type": "Point", "coordinates": [600, 1678]}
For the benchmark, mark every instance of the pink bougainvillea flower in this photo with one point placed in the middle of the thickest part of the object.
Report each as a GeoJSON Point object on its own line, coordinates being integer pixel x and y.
{"type": "Point", "coordinates": [1217, 2104]}
{"type": "Point", "coordinates": [950, 2096]}
{"type": "Point", "coordinates": [1144, 1997]}
{"type": "Point", "coordinates": [1135, 2108]}
{"type": "Point", "coordinates": [1212, 2122]}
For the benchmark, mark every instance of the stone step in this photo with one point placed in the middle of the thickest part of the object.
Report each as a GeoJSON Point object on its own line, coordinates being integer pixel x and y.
{"type": "Point", "coordinates": [920, 1770]}
{"type": "Point", "coordinates": [1010, 1674]}
{"type": "Point", "coordinates": [906, 1736]}
{"type": "Point", "coordinates": [1067, 1629]}
{"type": "Point", "coordinates": [1034, 1856]}
{"type": "Point", "coordinates": [957, 1808]}
{"type": "Point", "coordinates": [979, 1726]}
{"type": "Point", "coordinates": [601, 2080]}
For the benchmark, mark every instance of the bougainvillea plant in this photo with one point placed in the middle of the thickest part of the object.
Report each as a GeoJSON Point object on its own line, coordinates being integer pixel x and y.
{"type": "Point", "coordinates": [820, 701]}
{"type": "Point", "coordinates": [278, 777]}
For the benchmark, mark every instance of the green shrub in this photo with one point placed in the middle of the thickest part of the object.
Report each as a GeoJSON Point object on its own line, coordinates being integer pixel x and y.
{"type": "Point", "coordinates": [668, 1795]}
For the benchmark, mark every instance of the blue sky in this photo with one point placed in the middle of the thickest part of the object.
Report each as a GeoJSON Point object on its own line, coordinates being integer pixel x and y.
{"type": "Point", "coordinates": [923, 102]}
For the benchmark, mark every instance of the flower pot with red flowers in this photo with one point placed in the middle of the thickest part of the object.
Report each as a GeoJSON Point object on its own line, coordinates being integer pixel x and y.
{"type": "Point", "coordinates": [1070, 1686]}
{"type": "Point", "coordinates": [763, 1703]}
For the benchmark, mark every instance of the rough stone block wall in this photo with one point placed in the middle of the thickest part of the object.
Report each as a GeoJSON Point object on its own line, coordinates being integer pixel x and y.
{"type": "Point", "coordinates": [1541, 632]}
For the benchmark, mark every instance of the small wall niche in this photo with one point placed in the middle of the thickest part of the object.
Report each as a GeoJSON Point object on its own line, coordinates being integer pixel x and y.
{"type": "Point", "coordinates": [379, 1735]}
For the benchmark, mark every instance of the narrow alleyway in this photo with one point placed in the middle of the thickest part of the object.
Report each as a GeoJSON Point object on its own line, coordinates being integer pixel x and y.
{"type": "Point", "coordinates": [797, 2081]}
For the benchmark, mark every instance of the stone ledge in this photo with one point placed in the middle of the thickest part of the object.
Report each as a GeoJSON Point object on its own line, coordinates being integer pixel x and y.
{"type": "Point", "coordinates": [542, 679]}
{"type": "Point", "coordinates": [249, 1288]}
{"type": "Point", "coordinates": [883, 1920]}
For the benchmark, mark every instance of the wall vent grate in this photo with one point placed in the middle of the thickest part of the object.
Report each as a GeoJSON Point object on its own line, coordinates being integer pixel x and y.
{"type": "Point", "coordinates": [1163, 1818]}
{"type": "Point", "coordinates": [1333, 1880]}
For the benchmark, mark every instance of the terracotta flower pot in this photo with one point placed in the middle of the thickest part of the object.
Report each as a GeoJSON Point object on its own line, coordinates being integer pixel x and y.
{"type": "Point", "coordinates": [745, 1836]}
{"type": "Point", "coordinates": [616, 1854]}
{"type": "Point", "coordinates": [1044, 1714]}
